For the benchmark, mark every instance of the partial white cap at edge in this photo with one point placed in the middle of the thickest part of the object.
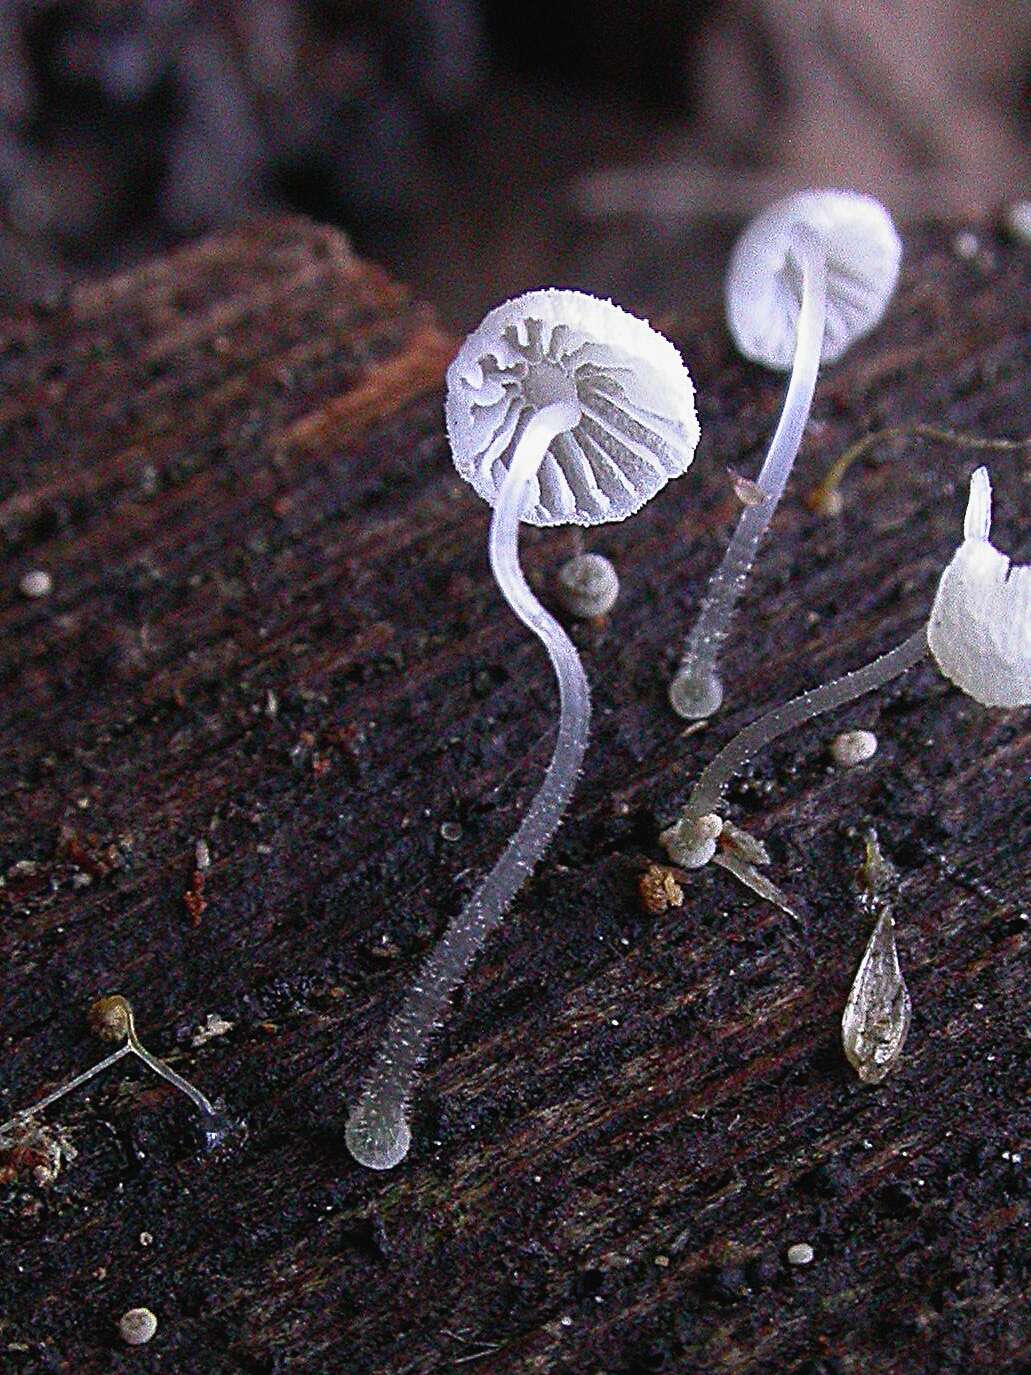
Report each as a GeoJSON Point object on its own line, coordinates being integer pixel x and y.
{"type": "Point", "coordinates": [637, 426]}
{"type": "Point", "coordinates": [763, 287]}
{"type": "Point", "coordinates": [980, 626]}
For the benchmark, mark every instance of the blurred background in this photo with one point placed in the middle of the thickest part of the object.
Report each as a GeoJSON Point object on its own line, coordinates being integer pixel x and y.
{"type": "Point", "coordinates": [480, 147]}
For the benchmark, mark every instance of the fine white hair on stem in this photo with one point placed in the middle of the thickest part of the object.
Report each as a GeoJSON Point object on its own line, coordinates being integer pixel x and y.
{"type": "Point", "coordinates": [696, 691]}
{"type": "Point", "coordinates": [707, 796]}
{"type": "Point", "coordinates": [378, 1134]}
{"type": "Point", "coordinates": [807, 277]}
{"type": "Point", "coordinates": [560, 409]}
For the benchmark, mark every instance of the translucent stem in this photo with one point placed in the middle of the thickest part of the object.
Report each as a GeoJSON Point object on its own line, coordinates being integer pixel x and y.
{"type": "Point", "coordinates": [708, 793]}
{"type": "Point", "coordinates": [72, 1084]}
{"type": "Point", "coordinates": [696, 690]}
{"type": "Point", "coordinates": [165, 1071]}
{"type": "Point", "coordinates": [825, 498]}
{"type": "Point", "coordinates": [377, 1130]}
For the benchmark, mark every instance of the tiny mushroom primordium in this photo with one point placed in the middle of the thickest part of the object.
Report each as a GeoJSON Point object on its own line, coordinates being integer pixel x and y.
{"type": "Point", "coordinates": [561, 409]}
{"type": "Point", "coordinates": [588, 586]}
{"type": "Point", "coordinates": [809, 276]}
{"type": "Point", "coordinates": [978, 635]}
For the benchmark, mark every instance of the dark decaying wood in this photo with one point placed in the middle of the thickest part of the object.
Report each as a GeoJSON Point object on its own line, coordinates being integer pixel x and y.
{"type": "Point", "coordinates": [271, 627]}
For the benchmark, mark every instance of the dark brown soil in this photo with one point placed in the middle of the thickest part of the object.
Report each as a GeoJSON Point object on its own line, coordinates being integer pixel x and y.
{"type": "Point", "coordinates": [272, 627]}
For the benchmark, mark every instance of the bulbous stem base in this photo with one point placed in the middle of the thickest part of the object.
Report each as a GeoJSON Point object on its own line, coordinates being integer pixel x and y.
{"type": "Point", "coordinates": [377, 1133]}
{"type": "Point", "coordinates": [695, 695]}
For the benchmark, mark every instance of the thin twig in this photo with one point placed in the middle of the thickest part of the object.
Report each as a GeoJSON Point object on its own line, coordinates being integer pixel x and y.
{"type": "Point", "coordinates": [825, 497]}
{"type": "Point", "coordinates": [133, 1046]}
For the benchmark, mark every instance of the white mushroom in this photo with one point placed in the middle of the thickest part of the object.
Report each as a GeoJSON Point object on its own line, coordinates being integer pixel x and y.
{"type": "Point", "coordinates": [979, 637]}
{"type": "Point", "coordinates": [809, 276]}
{"type": "Point", "coordinates": [980, 626]}
{"type": "Point", "coordinates": [636, 426]}
{"type": "Point", "coordinates": [560, 408]}
{"type": "Point", "coordinates": [764, 288]}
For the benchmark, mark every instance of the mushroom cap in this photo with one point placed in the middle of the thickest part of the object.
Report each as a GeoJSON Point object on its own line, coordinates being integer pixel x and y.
{"type": "Point", "coordinates": [980, 626]}
{"type": "Point", "coordinates": [763, 288]}
{"type": "Point", "coordinates": [637, 425]}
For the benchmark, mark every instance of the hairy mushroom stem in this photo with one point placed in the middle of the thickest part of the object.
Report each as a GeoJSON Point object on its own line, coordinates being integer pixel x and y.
{"type": "Point", "coordinates": [378, 1133]}
{"type": "Point", "coordinates": [707, 796]}
{"type": "Point", "coordinates": [696, 690]}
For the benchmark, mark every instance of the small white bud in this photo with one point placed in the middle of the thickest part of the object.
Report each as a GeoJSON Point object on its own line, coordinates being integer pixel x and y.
{"type": "Point", "coordinates": [36, 584]}
{"type": "Point", "coordinates": [588, 586]}
{"type": "Point", "coordinates": [137, 1326]}
{"type": "Point", "coordinates": [853, 747]}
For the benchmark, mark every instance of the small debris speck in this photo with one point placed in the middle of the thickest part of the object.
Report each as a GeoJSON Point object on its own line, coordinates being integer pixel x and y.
{"type": "Point", "coordinates": [203, 856]}
{"type": "Point", "coordinates": [825, 501]}
{"type": "Point", "coordinates": [214, 1026]}
{"type": "Point", "coordinates": [659, 890]}
{"type": "Point", "coordinates": [966, 244]}
{"type": "Point", "coordinates": [146, 1239]}
{"type": "Point", "coordinates": [450, 831]}
{"type": "Point", "coordinates": [749, 493]}
{"type": "Point", "coordinates": [800, 1254]}
{"type": "Point", "coordinates": [38, 583]}
{"type": "Point", "coordinates": [876, 1019]}
{"type": "Point", "coordinates": [853, 747]}
{"type": "Point", "coordinates": [877, 874]}
{"type": "Point", "coordinates": [137, 1326]}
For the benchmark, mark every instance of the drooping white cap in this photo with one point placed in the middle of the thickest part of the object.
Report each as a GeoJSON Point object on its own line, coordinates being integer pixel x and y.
{"type": "Point", "coordinates": [637, 425]}
{"type": "Point", "coordinates": [763, 289]}
{"type": "Point", "coordinates": [980, 626]}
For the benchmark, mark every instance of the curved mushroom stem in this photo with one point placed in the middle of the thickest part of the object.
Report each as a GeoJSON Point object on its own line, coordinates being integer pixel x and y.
{"type": "Point", "coordinates": [165, 1071]}
{"type": "Point", "coordinates": [696, 690]}
{"type": "Point", "coordinates": [707, 797]}
{"type": "Point", "coordinates": [378, 1134]}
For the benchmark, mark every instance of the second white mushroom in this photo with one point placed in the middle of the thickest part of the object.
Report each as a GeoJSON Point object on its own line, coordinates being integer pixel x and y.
{"type": "Point", "coordinates": [809, 276]}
